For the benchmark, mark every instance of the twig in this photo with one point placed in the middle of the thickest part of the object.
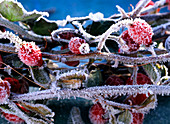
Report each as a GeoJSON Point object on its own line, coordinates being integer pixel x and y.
{"type": "Point", "coordinates": [161, 28]}
{"type": "Point", "coordinates": [94, 91]}
{"type": "Point", "coordinates": [23, 32]}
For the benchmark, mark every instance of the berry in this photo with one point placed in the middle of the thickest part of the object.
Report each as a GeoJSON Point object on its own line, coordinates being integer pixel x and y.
{"type": "Point", "coordinates": [15, 85]}
{"type": "Point", "coordinates": [137, 118]}
{"type": "Point", "coordinates": [96, 114]}
{"type": "Point", "coordinates": [141, 32]}
{"type": "Point", "coordinates": [4, 91]}
{"type": "Point", "coordinates": [141, 79]}
{"type": "Point", "coordinates": [133, 46]}
{"type": "Point", "coordinates": [168, 2]}
{"type": "Point", "coordinates": [70, 63]}
{"type": "Point", "coordinates": [30, 54]}
{"type": "Point", "coordinates": [78, 46]}
{"type": "Point", "coordinates": [114, 81]}
{"type": "Point", "coordinates": [12, 118]}
{"type": "Point", "coordinates": [66, 35]}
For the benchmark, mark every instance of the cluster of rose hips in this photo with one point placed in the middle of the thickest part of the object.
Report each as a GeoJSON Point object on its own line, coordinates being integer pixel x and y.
{"type": "Point", "coordinates": [97, 112]}
{"type": "Point", "coordinates": [8, 85]}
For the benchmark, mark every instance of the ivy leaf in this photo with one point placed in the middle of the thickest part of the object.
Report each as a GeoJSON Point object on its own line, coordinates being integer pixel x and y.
{"type": "Point", "coordinates": [125, 118]}
{"type": "Point", "coordinates": [38, 108]}
{"type": "Point", "coordinates": [14, 11]}
{"type": "Point", "coordinates": [44, 27]}
{"type": "Point", "coordinates": [98, 28]}
{"type": "Point", "coordinates": [153, 73]}
{"type": "Point", "coordinates": [40, 76]}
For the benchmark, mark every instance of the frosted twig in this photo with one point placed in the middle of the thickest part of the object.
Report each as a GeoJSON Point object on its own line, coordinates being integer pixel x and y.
{"type": "Point", "coordinates": [138, 9]}
{"type": "Point", "coordinates": [94, 91]}
{"type": "Point", "coordinates": [113, 28]}
{"type": "Point", "coordinates": [157, 5]}
{"type": "Point", "coordinates": [7, 48]}
{"type": "Point", "coordinates": [110, 56]}
{"type": "Point", "coordinates": [134, 75]}
{"type": "Point", "coordinates": [123, 13]}
{"type": "Point", "coordinates": [161, 28]}
{"type": "Point", "coordinates": [23, 32]}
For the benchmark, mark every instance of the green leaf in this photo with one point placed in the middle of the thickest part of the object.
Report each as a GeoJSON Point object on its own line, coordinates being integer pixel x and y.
{"type": "Point", "coordinates": [98, 28]}
{"type": "Point", "coordinates": [38, 108]}
{"type": "Point", "coordinates": [75, 116]}
{"type": "Point", "coordinates": [14, 11]}
{"type": "Point", "coordinates": [153, 73]}
{"type": "Point", "coordinates": [125, 118]}
{"type": "Point", "coordinates": [95, 78]}
{"type": "Point", "coordinates": [44, 27]}
{"type": "Point", "coordinates": [40, 76]}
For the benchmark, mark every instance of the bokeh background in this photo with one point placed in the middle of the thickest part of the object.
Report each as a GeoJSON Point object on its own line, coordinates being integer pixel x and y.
{"type": "Point", "coordinates": [59, 9]}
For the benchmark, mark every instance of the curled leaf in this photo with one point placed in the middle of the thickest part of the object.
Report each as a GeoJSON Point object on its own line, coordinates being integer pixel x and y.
{"type": "Point", "coordinates": [14, 11]}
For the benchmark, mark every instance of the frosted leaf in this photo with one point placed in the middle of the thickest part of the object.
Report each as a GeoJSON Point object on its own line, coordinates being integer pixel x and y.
{"type": "Point", "coordinates": [96, 17]}
{"type": "Point", "coordinates": [75, 116]}
{"type": "Point", "coordinates": [38, 108]}
{"type": "Point", "coordinates": [125, 118]}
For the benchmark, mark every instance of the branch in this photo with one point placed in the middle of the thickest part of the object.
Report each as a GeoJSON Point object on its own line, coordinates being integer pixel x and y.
{"type": "Point", "coordinates": [94, 91]}
{"type": "Point", "coordinates": [23, 32]}
{"type": "Point", "coordinates": [161, 28]}
{"type": "Point", "coordinates": [109, 56]}
{"type": "Point", "coordinates": [138, 9]}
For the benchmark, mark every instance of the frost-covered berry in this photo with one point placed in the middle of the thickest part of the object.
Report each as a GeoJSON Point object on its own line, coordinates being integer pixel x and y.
{"type": "Point", "coordinates": [78, 46]}
{"type": "Point", "coordinates": [132, 45]}
{"type": "Point", "coordinates": [15, 85]}
{"type": "Point", "coordinates": [70, 63]}
{"type": "Point", "coordinates": [114, 81]}
{"type": "Point", "coordinates": [141, 32]}
{"type": "Point", "coordinates": [13, 118]}
{"type": "Point", "coordinates": [96, 114]}
{"type": "Point", "coordinates": [30, 54]}
{"type": "Point", "coordinates": [66, 35]}
{"type": "Point", "coordinates": [137, 118]}
{"type": "Point", "coordinates": [4, 91]}
{"type": "Point", "coordinates": [141, 79]}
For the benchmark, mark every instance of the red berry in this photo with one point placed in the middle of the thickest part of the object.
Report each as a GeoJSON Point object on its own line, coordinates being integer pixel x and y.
{"type": "Point", "coordinates": [66, 35]}
{"type": "Point", "coordinates": [15, 85]}
{"type": "Point", "coordinates": [133, 46]}
{"type": "Point", "coordinates": [114, 81]}
{"type": "Point", "coordinates": [141, 32]}
{"type": "Point", "coordinates": [23, 109]}
{"type": "Point", "coordinates": [70, 63]}
{"type": "Point", "coordinates": [30, 54]}
{"type": "Point", "coordinates": [168, 1]}
{"type": "Point", "coordinates": [141, 79]}
{"type": "Point", "coordinates": [78, 46]}
{"type": "Point", "coordinates": [96, 114]}
{"type": "Point", "coordinates": [4, 91]}
{"type": "Point", "coordinates": [137, 118]}
{"type": "Point", "coordinates": [13, 118]}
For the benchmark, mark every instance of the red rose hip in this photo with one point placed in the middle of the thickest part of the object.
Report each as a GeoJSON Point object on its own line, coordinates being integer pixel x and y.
{"type": "Point", "coordinates": [4, 91]}
{"type": "Point", "coordinates": [78, 46]}
{"type": "Point", "coordinates": [30, 54]}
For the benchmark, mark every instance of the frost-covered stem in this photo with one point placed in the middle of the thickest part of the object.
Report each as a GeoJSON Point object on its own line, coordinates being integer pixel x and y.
{"type": "Point", "coordinates": [23, 32]}
{"type": "Point", "coordinates": [161, 28]}
{"type": "Point", "coordinates": [7, 48]}
{"type": "Point", "coordinates": [94, 92]}
{"type": "Point", "coordinates": [138, 9]}
{"type": "Point", "coordinates": [123, 13]}
{"type": "Point", "coordinates": [134, 75]}
{"type": "Point", "coordinates": [113, 28]}
{"type": "Point", "coordinates": [109, 56]}
{"type": "Point", "coordinates": [158, 16]}
{"type": "Point", "coordinates": [157, 5]}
